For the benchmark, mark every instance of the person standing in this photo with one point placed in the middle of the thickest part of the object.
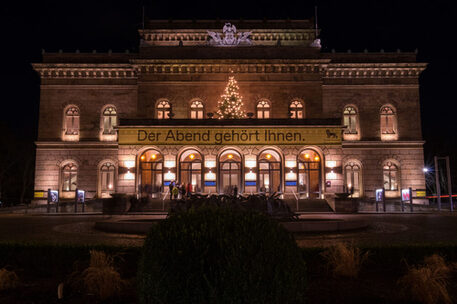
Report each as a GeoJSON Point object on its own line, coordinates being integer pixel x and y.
{"type": "Point", "coordinates": [170, 187]}
{"type": "Point", "coordinates": [189, 189]}
{"type": "Point", "coordinates": [175, 192]}
{"type": "Point", "coordinates": [235, 191]}
{"type": "Point", "coordinates": [182, 190]}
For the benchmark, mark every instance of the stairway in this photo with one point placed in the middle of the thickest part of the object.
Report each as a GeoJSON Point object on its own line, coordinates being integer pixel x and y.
{"type": "Point", "coordinates": [309, 205]}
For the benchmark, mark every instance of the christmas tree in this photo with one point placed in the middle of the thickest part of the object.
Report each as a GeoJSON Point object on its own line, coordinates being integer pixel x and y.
{"type": "Point", "coordinates": [229, 106]}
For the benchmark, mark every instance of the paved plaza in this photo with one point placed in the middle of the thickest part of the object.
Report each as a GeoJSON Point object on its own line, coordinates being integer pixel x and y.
{"type": "Point", "coordinates": [383, 229]}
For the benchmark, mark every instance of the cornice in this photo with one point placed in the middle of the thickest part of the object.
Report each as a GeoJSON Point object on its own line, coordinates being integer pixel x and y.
{"type": "Point", "coordinates": [76, 145]}
{"type": "Point", "coordinates": [85, 71]}
{"type": "Point", "coordinates": [374, 70]}
{"type": "Point", "coordinates": [413, 144]}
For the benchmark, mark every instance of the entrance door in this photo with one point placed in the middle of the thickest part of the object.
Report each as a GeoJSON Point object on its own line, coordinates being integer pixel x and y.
{"type": "Point", "coordinates": [229, 172]}
{"type": "Point", "coordinates": [191, 170]}
{"type": "Point", "coordinates": [151, 174]}
{"type": "Point", "coordinates": [309, 174]}
{"type": "Point", "coordinates": [269, 172]}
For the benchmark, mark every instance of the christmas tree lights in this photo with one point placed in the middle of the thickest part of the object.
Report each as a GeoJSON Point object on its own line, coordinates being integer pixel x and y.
{"type": "Point", "coordinates": [230, 105]}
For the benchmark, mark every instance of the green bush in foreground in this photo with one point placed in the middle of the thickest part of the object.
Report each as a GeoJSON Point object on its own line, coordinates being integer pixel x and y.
{"type": "Point", "coordinates": [218, 255]}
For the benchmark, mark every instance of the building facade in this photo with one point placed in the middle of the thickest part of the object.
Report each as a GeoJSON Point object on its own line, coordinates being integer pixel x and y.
{"type": "Point", "coordinates": [316, 123]}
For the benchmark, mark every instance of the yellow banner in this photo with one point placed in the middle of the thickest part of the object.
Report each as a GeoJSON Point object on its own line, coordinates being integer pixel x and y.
{"type": "Point", "coordinates": [229, 136]}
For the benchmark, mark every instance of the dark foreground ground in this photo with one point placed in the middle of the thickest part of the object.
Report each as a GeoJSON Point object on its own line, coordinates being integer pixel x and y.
{"type": "Point", "coordinates": [394, 242]}
{"type": "Point", "coordinates": [383, 229]}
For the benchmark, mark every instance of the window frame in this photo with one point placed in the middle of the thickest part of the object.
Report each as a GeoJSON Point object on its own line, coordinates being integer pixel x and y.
{"type": "Point", "coordinates": [198, 108]}
{"type": "Point", "coordinates": [162, 109]}
{"type": "Point", "coordinates": [263, 107]}
{"type": "Point", "coordinates": [294, 109]}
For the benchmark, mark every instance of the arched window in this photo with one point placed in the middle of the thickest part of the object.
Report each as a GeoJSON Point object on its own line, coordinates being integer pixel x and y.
{"type": "Point", "coordinates": [190, 170]}
{"type": "Point", "coordinates": [109, 120]}
{"type": "Point", "coordinates": [353, 178]}
{"type": "Point", "coordinates": [163, 109]}
{"type": "Point", "coordinates": [69, 177]}
{"type": "Point", "coordinates": [350, 120]}
{"type": "Point", "coordinates": [151, 173]}
{"type": "Point", "coordinates": [309, 174]}
{"type": "Point", "coordinates": [388, 121]}
{"type": "Point", "coordinates": [390, 176]}
{"type": "Point", "coordinates": [263, 109]}
{"type": "Point", "coordinates": [107, 175]}
{"type": "Point", "coordinates": [229, 171]}
{"type": "Point", "coordinates": [196, 109]}
{"type": "Point", "coordinates": [71, 121]}
{"type": "Point", "coordinates": [269, 172]}
{"type": "Point", "coordinates": [296, 110]}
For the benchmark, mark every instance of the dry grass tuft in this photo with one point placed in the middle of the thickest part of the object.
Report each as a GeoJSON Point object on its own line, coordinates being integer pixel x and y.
{"type": "Point", "coordinates": [345, 260]}
{"type": "Point", "coordinates": [101, 278]}
{"type": "Point", "coordinates": [8, 279]}
{"type": "Point", "coordinates": [428, 283]}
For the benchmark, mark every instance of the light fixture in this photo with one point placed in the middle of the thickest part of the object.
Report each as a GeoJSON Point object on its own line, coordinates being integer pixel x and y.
{"type": "Point", "coordinates": [210, 163]}
{"type": "Point", "coordinates": [331, 164]}
{"type": "Point", "coordinates": [230, 156]}
{"type": "Point", "coordinates": [192, 156]}
{"type": "Point", "coordinates": [425, 170]}
{"type": "Point", "coordinates": [250, 163]}
{"type": "Point", "coordinates": [110, 186]}
{"type": "Point", "coordinates": [129, 175]}
{"type": "Point", "coordinates": [268, 156]}
{"type": "Point", "coordinates": [306, 155]}
{"type": "Point", "coordinates": [291, 163]}
{"type": "Point", "coordinates": [129, 164]}
{"type": "Point", "coordinates": [170, 164]}
{"type": "Point", "coordinates": [142, 157]}
{"type": "Point", "coordinates": [153, 156]}
{"type": "Point", "coordinates": [316, 158]}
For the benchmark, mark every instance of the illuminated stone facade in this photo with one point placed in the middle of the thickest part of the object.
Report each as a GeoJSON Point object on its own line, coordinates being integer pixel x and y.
{"type": "Point", "coordinates": [89, 99]}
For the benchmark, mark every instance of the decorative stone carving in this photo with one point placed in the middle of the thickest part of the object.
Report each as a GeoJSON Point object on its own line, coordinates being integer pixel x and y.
{"type": "Point", "coordinates": [230, 37]}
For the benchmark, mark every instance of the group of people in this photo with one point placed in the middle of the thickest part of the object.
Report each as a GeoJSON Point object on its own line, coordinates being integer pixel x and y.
{"type": "Point", "coordinates": [178, 190]}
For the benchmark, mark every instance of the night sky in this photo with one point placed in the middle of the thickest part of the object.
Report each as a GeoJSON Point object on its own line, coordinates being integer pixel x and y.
{"type": "Point", "coordinates": [429, 26]}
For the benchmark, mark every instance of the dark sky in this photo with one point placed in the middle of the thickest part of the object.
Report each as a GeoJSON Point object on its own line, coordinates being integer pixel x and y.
{"type": "Point", "coordinates": [429, 26]}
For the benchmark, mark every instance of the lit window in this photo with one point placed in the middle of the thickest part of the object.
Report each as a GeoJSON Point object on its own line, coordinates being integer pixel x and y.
{"type": "Point", "coordinates": [390, 176]}
{"type": "Point", "coordinates": [350, 120]}
{"type": "Point", "coordinates": [196, 109]}
{"type": "Point", "coordinates": [163, 109]}
{"type": "Point", "coordinates": [296, 109]}
{"type": "Point", "coordinates": [263, 109]}
{"type": "Point", "coordinates": [71, 121]}
{"type": "Point", "coordinates": [353, 178]}
{"type": "Point", "coordinates": [69, 177]}
{"type": "Point", "coordinates": [388, 120]}
{"type": "Point", "coordinates": [109, 120]}
{"type": "Point", "coordinates": [107, 171]}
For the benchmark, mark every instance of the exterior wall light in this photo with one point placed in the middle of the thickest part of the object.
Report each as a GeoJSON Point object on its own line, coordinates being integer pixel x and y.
{"type": "Point", "coordinates": [210, 164]}
{"type": "Point", "coordinates": [250, 164]}
{"type": "Point", "coordinates": [170, 164]}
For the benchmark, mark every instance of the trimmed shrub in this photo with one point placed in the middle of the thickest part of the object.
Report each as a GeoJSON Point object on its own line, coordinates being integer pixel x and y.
{"type": "Point", "coordinates": [220, 255]}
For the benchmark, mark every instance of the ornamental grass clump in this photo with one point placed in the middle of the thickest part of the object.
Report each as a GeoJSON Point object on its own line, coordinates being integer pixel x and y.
{"type": "Point", "coordinates": [220, 255]}
{"type": "Point", "coordinates": [345, 260]}
{"type": "Point", "coordinates": [8, 279]}
{"type": "Point", "coordinates": [428, 283]}
{"type": "Point", "coordinates": [101, 278]}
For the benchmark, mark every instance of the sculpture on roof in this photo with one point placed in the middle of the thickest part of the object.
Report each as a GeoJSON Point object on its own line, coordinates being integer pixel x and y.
{"type": "Point", "coordinates": [230, 37]}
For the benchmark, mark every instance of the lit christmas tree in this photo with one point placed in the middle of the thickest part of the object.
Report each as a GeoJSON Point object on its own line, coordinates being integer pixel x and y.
{"type": "Point", "coordinates": [230, 105]}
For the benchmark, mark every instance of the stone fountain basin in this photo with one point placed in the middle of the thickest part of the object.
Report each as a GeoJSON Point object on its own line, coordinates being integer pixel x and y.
{"type": "Point", "coordinates": [142, 226]}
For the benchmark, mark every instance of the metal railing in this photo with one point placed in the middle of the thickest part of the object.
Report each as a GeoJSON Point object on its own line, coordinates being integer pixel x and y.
{"type": "Point", "coordinates": [163, 198]}
{"type": "Point", "coordinates": [296, 199]}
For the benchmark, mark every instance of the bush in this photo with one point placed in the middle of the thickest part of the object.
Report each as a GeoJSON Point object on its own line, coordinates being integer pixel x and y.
{"type": "Point", "coordinates": [8, 279]}
{"type": "Point", "coordinates": [428, 283]}
{"type": "Point", "coordinates": [220, 255]}
{"type": "Point", "coordinates": [345, 260]}
{"type": "Point", "coordinates": [101, 278]}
